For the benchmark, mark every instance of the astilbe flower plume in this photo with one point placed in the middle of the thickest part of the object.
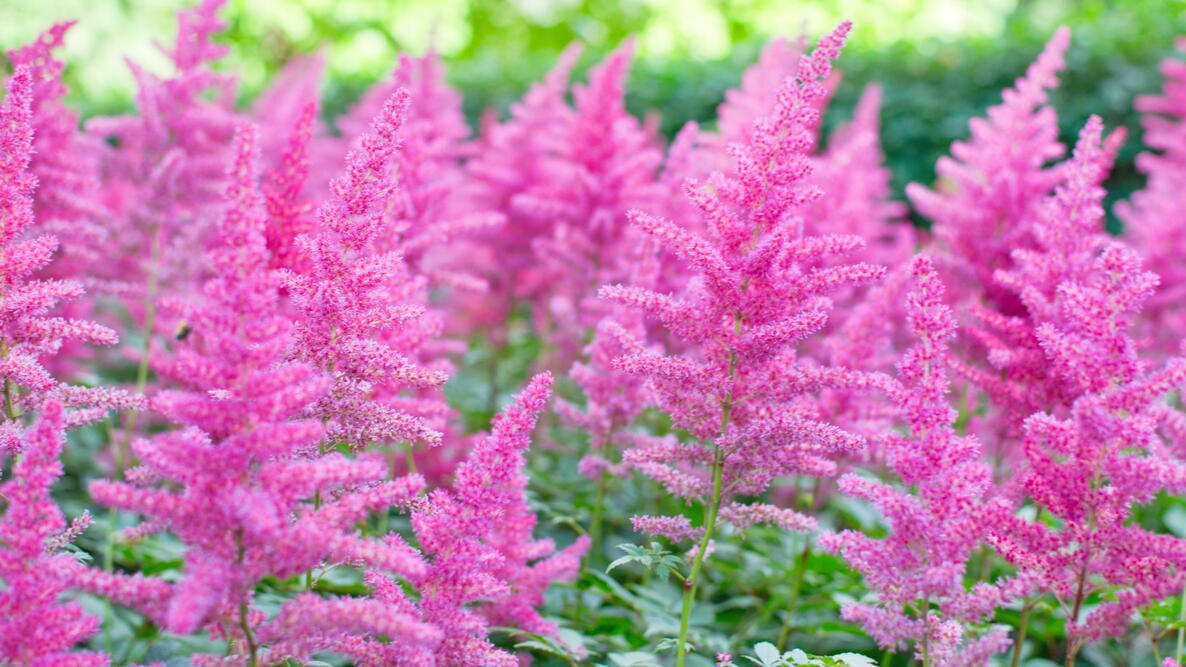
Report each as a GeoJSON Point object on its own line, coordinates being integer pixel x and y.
{"type": "Point", "coordinates": [289, 213]}
{"type": "Point", "coordinates": [362, 311]}
{"type": "Point", "coordinates": [1015, 370]}
{"type": "Point", "coordinates": [738, 388]}
{"type": "Point", "coordinates": [936, 519]}
{"type": "Point", "coordinates": [750, 304]}
{"type": "Point", "coordinates": [1152, 218]}
{"type": "Point", "coordinates": [433, 204]}
{"type": "Point", "coordinates": [164, 174]}
{"type": "Point", "coordinates": [991, 184]}
{"type": "Point", "coordinates": [509, 159]}
{"type": "Point", "coordinates": [29, 332]}
{"type": "Point", "coordinates": [65, 161]}
{"type": "Point", "coordinates": [605, 164]}
{"type": "Point", "coordinates": [1091, 462]}
{"type": "Point", "coordinates": [755, 98]}
{"type": "Point", "coordinates": [37, 628]}
{"type": "Point", "coordinates": [486, 569]}
{"type": "Point", "coordinates": [241, 471]}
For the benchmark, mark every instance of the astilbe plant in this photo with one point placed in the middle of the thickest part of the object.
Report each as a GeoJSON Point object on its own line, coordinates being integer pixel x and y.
{"type": "Point", "coordinates": [163, 176]}
{"type": "Point", "coordinates": [1152, 218]}
{"type": "Point", "coordinates": [486, 569]}
{"type": "Point", "coordinates": [37, 627]}
{"type": "Point", "coordinates": [433, 204]}
{"type": "Point", "coordinates": [1092, 463]}
{"type": "Point", "coordinates": [936, 513]}
{"type": "Point", "coordinates": [605, 164]}
{"type": "Point", "coordinates": [991, 184]}
{"type": "Point", "coordinates": [998, 182]}
{"type": "Point", "coordinates": [510, 158]}
{"type": "Point", "coordinates": [30, 331]}
{"type": "Point", "coordinates": [738, 388]}
{"type": "Point", "coordinates": [65, 161]}
{"type": "Point", "coordinates": [362, 311]}
{"type": "Point", "coordinates": [243, 468]}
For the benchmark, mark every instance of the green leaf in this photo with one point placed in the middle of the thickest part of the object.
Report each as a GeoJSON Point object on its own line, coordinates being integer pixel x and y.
{"type": "Point", "coordinates": [768, 653]}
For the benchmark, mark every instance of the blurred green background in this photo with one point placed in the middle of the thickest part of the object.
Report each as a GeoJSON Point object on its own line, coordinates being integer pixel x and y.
{"type": "Point", "coordinates": [940, 61]}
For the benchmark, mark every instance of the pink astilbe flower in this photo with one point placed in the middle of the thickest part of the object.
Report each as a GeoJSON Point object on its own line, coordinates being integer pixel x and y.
{"type": "Point", "coordinates": [29, 334]}
{"type": "Point", "coordinates": [511, 158]}
{"type": "Point", "coordinates": [850, 171]}
{"type": "Point", "coordinates": [738, 388]}
{"type": "Point", "coordinates": [855, 186]}
{"type": "Point", "coordinates": [164, 177]}
{"type": "Point", "coordinates": [65, 161]}
{"type": "Point", "coordinates": [289, 215]}
{"type": "Point", "coordinates": [36, 626]}
{"type": "Point", "coordinates": [486, 567]}
{"type": "Point", "coordinates": [240, 475]}
{"type": "Point", "coordinates": [1090, 463]}
{"type": "Point", "coordinates": [433, 204]}
{"type": "Point", "coordinates": [1066, 232]}
{"type": "Point", "coordinates": [937, 519]}
{"type": "Point", "coordinates": [991, 184]}
{"type": "Point", "coordinates": [757, 96]}
{"type": "Point", "coordinates": [283, 105]}
{"type": "Point", "coordinates": [605, 164]}
{"type": "Point", "coordinates": [1152, 218]}
{"type": "Point", "coordinates": [362, 310]}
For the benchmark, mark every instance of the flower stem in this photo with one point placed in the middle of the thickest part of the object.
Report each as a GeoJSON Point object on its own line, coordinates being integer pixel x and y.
{"type": "Point", "coordinates": [714, 505]}
{"type": "Point", "coordinates": [1181, 627]}
{"type": "Point", "coordinates": [244, 622]}
{"type": "Point", "coordinates": [595, 523]}
{"type": "Point", "coordinates": [142, 370]}
{"type": "Point", "coordinates": [690, 584]}
{"type": "Point", "coordinates": [796, 590]}
{"type": "Point", "coordinates": [1022, 629]}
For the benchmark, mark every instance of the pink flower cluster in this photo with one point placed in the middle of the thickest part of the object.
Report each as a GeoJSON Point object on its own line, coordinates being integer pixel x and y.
{"type": "Point", "coordinates": [298, 295]}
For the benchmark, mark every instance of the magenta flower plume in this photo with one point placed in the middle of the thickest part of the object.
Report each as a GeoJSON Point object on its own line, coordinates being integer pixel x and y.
{"type": "Point", "coordinates": [757, 96]}
{"type": "Point", "coordinates": [737, 388]}
{"type": "Point", "coordinates": [65, 161]}
{"type": "Point", "coordinates": [164, 178]}
{"type": "Point", "coordinates": [1103, 451]}
{"type": "Point", "coordinates": [936, 516]}
{"type": "Point", "coordinates": [362, 310]}
{"type": "Point", "coordinates": [289, 215]}
{"type": "Point", "coordinates": [240, 474]}
{"type": "Point", "coordinates": [1067, 231]}
{"type": "Point", "coordinates": [29, 334]}
{"type": "Point", "coordinates": [1152, 219]}
{"type": "Point", "coordinates": [992, 183]}
{"type": "Point", "coordinates": [486, 567]}
{"type": "Point", "coordinates": [511, 158]}
{"type": "Point", "coordinates": [605, 165]}
{"type": "Point", "coordinates": [36, 626]}
{"type": "Point", "coordinates": [432, 205]}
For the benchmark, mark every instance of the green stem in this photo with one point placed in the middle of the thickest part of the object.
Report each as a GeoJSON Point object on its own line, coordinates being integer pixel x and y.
{"type": "Point", "coordinates": [595, 522]}
{"type": "Point", "coordinates": [1181, 627]}
{"type": "Point", "coordinates": [142, 370]}
{"type": "Point", "coordinates": [9, 404]}
{"type": "Point", "coordinates": [244, 622]}
{"type": "Point", "coordinates": [796, 589]}
{"type": "Point", "coordinates": [1072, 647]}
{"type": "Point", "coordinates": [409, 459]}
{"type": "Point", "coordinates": [714, 506]}
{"type": "Point", "coordinates": [690, 584]}
{"type": "Point", "coordinates": [1022, 629]}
